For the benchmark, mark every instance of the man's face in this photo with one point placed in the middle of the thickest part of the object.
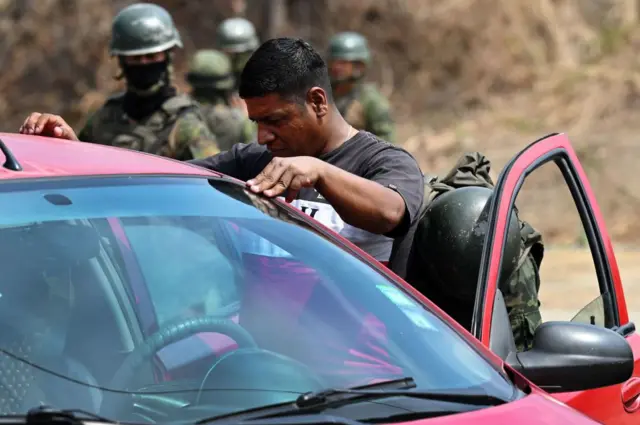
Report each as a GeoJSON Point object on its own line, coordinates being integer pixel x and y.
{"type": "Point", "coordinates": [340, 69]}
{"type": "Point", "coordinates": [145, 59]}
{"type": "Point", "coordinates": [145, 72]}
{"type": "Point", "coordinates": [289, 128]}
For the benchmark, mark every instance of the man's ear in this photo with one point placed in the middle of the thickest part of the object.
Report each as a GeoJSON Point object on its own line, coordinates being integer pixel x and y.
{"type": "Point", "coordinates": [317, 99]}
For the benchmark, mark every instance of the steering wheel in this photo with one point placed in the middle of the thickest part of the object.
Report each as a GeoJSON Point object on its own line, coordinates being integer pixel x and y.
{"type": "Point", "coordinates": [168, 335]}
{"type": "Point", "coordinates": [251, 377]}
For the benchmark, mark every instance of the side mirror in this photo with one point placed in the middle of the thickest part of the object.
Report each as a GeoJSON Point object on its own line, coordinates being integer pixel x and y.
{"type": "Point", "coordinates": [569, 356]}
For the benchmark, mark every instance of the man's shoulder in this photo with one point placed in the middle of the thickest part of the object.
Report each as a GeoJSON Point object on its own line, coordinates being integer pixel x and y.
{"type": "Point", "coordinates": [366, 149]}
{"type": "Point", "coordinates": [249, 150]}
{"type": "Point", "coordinates": [106, 113]}
{"type": "Point", "coordinates": [254, 148]}
{"type": "Point", "coordinates": [113, 102]}
{"type": "Point", "coordinates": [179, 103]}
{"type": "Point", "coordinates": [375, 145]}
{"type": "Point", "coordinates": [115, 98]}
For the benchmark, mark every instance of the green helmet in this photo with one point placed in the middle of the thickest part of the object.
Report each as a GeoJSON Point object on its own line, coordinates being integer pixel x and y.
{"type": "Point", "coordinates": [236, 35]}
{"type": "Point", "coordinates": [349, 46]}
{"type": "Point", "coordinates": [141, 29]}
{"type": "Point", "coordinates": [210, 68]}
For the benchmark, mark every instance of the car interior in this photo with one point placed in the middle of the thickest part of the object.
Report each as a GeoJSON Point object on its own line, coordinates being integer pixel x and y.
{"type": "Point", "coordinates": [73, 328]}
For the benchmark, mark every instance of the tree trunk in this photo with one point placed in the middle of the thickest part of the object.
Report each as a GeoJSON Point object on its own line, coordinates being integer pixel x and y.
{"type": "Point", "coordinates": [275, 15]}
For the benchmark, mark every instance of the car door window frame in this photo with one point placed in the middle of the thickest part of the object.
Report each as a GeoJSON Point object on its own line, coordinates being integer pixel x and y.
{"type": "Point", "coordinates": [551, 148]}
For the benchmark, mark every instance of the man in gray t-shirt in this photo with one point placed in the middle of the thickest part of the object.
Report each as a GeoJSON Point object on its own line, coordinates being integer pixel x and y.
{"type": "Point", "coordinates": [363, 155]}
{"type": "Point", "coordinates": [366, 189]}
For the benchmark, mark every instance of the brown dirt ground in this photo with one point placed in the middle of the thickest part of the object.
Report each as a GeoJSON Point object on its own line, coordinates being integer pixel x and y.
{"type": "Point", "coordinates": [568, 282]}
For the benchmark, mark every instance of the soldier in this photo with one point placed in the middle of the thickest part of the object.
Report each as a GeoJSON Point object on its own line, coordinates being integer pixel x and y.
{"type": "Point", "coordinates": [211, 78]}
{"type": "Point", "coordinates": [150, 116]}
{"type": "Point", "coordinates": [237, 37]}
{"type": "Point", "coordinates": [362, 105]}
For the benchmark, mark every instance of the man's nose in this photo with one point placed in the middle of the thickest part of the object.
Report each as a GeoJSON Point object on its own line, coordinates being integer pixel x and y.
{"type": "Point", "coordinates": [265, 136]}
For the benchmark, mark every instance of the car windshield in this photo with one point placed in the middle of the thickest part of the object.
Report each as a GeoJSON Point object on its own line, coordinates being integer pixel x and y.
{"type": "Point", "coordinates": [163, 298]}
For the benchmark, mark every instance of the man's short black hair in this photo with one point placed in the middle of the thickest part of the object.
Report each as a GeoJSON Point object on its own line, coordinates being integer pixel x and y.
{"type": "Point", "coordinates": [285, 66]}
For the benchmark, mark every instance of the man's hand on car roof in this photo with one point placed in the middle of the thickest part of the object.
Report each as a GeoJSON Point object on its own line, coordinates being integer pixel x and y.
{"type": "Point", "coordinates": [48, 125]}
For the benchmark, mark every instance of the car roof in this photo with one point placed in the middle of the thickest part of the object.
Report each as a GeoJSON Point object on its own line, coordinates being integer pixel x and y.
{"type": "Point", "coordinates": [43, 157]}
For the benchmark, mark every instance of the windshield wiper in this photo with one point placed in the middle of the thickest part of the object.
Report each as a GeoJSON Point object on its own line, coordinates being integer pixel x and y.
{"type": "Point", "coordinates": [336, 397]}
{"type": "Point", "coordinates": [48, 415]}
{"type": "Point", "coordinates": [315, 419]}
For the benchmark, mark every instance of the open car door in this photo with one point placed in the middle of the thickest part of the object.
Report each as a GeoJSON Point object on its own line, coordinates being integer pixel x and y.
{"type": "Point", "coordinates": [611, 404]}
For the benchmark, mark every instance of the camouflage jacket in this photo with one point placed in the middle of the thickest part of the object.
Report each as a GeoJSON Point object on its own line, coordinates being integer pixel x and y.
{"type": "Point", "coordinates": [366, 108]}
{"type": "Point", "coordinates": [176, 130]}
{"type": "Point", "coordinates": [228, 124]}
{"type": "Point", "coordinates": [520, 291]}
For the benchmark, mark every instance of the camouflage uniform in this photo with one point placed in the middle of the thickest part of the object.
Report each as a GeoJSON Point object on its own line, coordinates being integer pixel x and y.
{"type": "Point", "coordinates": [177, 130]}
{"type": "Point", "coordinates": [364, 107]}
{"type": "Point", "coordinates": [237, 37]}
{"type": "Point", "coordinates": [521, 291]}
{"type": "Point", "coordinates": [211, 78]}
{"type": "Point", "coordinates": [176, 127]}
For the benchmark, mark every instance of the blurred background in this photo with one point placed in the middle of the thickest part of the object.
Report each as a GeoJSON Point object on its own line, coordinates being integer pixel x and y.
{"type": "Point", "coordinates": [461, 75]}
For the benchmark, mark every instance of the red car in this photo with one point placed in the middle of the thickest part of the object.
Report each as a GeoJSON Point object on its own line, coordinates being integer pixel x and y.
{"type": "Point", "coordinates": [148, 290]}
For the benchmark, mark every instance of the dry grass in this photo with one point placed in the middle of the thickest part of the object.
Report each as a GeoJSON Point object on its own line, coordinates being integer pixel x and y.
{"type": "Point", "coordinates": [488, 75]}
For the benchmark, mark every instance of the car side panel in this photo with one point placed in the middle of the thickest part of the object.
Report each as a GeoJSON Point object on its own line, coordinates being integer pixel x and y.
{"type": "Point", "coordinates": [595, 402]}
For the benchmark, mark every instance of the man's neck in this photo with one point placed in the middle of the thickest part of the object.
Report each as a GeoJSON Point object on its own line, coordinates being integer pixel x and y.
{"type": "Point", "coordinates": [340, 133]}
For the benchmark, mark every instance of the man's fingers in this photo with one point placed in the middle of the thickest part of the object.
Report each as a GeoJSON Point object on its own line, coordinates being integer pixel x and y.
{"type": "Point", "coordinates": [261, 176]}
{"type": "Point", "coordinates": [268, 177]}
{"type": "Point", "coordinates": [270, 180]}
{"type": "Point", "coordinates": [44, 122]}
{"type": "Point", "coordinates": [29, 123]}
{"type": "Point", "coordinates": [296, 184]}
{"type": "Point", "coordinates": [283, 183]}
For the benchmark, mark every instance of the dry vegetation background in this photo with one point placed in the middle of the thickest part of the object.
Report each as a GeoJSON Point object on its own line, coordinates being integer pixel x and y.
{"type": "Point", "coordinates": [487, 75]}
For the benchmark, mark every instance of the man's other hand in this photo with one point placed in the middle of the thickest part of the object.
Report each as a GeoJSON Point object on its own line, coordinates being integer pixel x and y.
{"type": "Point", "coordinates": [47, 125]}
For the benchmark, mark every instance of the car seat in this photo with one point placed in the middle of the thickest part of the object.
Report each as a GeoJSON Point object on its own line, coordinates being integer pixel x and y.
{"type": "Point", "coordinates": [33, 369]}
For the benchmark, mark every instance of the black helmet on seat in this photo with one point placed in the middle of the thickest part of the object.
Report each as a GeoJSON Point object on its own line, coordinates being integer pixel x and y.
{"type": "Point", "coordinates": [448, 243]}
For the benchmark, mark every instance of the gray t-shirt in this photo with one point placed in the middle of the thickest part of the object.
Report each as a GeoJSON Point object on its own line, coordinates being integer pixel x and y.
{"type": "Point", "coordinates": [364, 155]}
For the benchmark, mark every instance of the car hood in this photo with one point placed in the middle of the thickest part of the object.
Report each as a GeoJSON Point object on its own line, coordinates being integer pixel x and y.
{"type": "Point", "coordinates": [534, 409]}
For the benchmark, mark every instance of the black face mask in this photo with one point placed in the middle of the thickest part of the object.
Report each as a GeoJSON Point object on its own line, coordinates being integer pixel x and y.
{"type": "Point", "coordinates": [143, 77]}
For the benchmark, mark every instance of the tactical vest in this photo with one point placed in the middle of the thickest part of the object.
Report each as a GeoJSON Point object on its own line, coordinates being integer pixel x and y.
{"type": "Point", "coordinates": [226, 123]}
{"type": "Point", "coordinates": [111, 126]}
{"type": "Point", "coordinates": [521, 289]}
{"type": "Point", "coordinates": [353, 107]}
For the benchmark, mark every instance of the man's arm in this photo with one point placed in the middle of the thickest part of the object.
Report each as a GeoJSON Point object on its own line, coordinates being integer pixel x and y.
{"type": "Point", "coordinates": [384, 201]}
{"type": "Point", "coordinates": [243, 161]}
{"type": "Point", "coordinates": [395, 168]}
{"type": "Point", "coordinates": [362, 203]}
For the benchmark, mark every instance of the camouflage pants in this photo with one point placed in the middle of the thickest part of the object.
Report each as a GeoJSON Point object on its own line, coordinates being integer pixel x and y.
{"type": "Point", "coordinates": [523, 305]}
